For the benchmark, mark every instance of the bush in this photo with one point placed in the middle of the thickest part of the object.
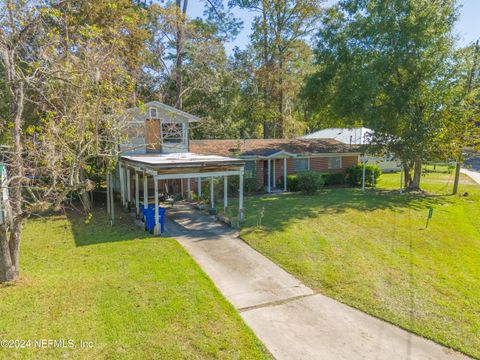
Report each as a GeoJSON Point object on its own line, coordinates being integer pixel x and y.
{"type": "Point", "coordinates": [354, 174]}
{"type": "Point", "coordinates": [292, 183]}
{"type": "Point", "coordinates": [334, 179]}
{"type": "Point", "coordinates": [309, 182]}
{"type": "Point", "coordinates": [249, 185]}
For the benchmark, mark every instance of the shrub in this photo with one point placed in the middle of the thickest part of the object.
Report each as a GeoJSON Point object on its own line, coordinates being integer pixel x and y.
{"type": "Point", "coordinates": [292, 183]}
{"type": "Point", "coordinates": [334, 179]}
{"type": "Point", "coordinates": [309, 181]}
{"type": "Point", "coordinates": [354, 174]}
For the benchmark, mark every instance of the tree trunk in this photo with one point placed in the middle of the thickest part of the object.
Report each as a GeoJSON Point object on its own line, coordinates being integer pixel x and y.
{"type": "Point", "coordinates": [417, 175]}
{"type": "Point", "coordinates": [457, 177]}
{"type": "Point", "coordinates": [181, 13]}
{"type": "Point", "coordinates": [281, 100]}
{"type": "Point", "coordinates": [11, 249]}
{"type": "Point", "coordinates": [7, 269]}
{"type": "Point", "coordinates": [266, 85]}
{"type": "Point", "coordinates": [407, 176]}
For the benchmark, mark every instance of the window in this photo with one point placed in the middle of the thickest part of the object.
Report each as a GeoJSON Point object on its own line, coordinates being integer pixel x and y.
{"type": "Point", "coordinates": [153, 113]}
{"type": "Point", "coordinates": [301, 164]}
{"type": "Point", "coordinates": [172, 133]}
{"type": "Point", "coordinates": [335, 162]}
{"type": "Point", "coordinates": [250, 169]}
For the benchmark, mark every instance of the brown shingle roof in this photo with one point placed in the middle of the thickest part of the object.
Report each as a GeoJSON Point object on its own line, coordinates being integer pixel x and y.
{"type": "Point", "coordinates": [268, 147]}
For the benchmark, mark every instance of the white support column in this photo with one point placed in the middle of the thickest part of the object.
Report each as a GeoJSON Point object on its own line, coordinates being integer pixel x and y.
{"type": "Point", "coordinates": [137, 195]}
{"type": "Point", "coordinates": [269, 189]}
{"type": "Point", "coordinates": [274, 174]}
{"type": "Point", "coordinates": [284, 174]}
{"type": "Point", "coordinates": [156, 229]}
{"type": "Point", "coordinates": [122, 184]}
{"type": "Point", "coordinates": [212, 197]}
{"type": "Point", "coordinates": [108, 195]}
{"type": "Point", "coordinates": [181, 188]}
{"type": "Point", "coordinates": [199, 186]}
{"type": "Point", "coordinates": [189, 197]}
{"type": "Point", "coordinates": [240, 197]}
{"type": "Point", "coordinates": [129, 189]}
{"type": "Point", "coordinates": [225, 194]}
{"type": "Point", "coordinates": [145, 190]}
{"type": "Point", "coordinates": [112, 202]}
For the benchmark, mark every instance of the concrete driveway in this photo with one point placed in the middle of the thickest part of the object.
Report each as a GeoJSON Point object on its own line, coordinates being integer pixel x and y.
{"type": "Point", "coordinates": [472, 174]}
{"type": "Point", "coordinates": [287, 316]}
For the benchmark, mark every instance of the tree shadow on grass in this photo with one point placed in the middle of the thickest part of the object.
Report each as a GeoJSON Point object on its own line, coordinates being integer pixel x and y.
{"type": "Point", "coordinates": [280, 210]}
{"type": "Point", "coordinates": [97, 230]}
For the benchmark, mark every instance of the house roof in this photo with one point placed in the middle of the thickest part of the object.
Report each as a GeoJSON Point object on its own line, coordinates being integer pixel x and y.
{"type": "Point", "coordinates": [167, 108]}
{"type": "Point", "coordinates": [346, 136]}
{"type": "Point", "coordinates": [269, 147]}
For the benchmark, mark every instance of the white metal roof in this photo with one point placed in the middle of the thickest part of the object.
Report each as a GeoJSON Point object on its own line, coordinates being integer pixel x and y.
{"type": "Point", "coordinates": [173, 159]}
{"type": "Point", "coordinates": [354, 136]}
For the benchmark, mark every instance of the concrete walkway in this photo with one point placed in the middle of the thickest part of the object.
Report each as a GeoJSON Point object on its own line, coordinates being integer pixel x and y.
{"type": "Point", "coordinates": [287, 316]}
{"type": "Point", "coordinates": [472, 174]}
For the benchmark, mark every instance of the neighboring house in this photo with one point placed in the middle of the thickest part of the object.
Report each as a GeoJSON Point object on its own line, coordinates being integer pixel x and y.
{"type": "Point", "coordinates": [270, 161]}
{"type": "Point", "coordinates": [357, 136]}
{"type": "Point", "coordinates": [352, 136]}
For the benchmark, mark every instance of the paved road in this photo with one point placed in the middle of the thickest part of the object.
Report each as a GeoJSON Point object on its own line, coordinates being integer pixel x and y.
{"type": "Point", "coordinates": [473, 174]}
{"type": "Point", "coordinates": [287, 316]}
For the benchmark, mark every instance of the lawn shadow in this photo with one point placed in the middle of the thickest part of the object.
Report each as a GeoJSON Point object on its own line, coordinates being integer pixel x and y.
{"type": "Point", "coordinates": [97, 229]}
{"type": "Point", "coordinates": [280, 210]}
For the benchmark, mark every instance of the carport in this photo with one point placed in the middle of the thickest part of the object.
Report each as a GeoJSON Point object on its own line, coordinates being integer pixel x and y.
{"type": "Point", "coordinates": [188, 168]}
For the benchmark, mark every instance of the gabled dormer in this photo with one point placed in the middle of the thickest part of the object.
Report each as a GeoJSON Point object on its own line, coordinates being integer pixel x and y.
{"type": "Point", "coordinates": [159, 128]}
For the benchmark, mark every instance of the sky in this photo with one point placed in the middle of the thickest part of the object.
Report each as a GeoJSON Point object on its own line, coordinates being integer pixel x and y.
{"type": "Point", "coordinates": [467, 27]}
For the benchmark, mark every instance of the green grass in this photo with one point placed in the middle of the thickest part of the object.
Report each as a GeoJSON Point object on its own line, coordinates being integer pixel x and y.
{"type": "Point", "coordinates": [374, 252]}
{"type": "Point", "coordinates": [134, 296]}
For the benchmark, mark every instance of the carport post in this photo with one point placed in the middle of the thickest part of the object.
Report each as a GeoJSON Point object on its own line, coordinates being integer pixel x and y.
{"type": "Point", "coordinates": [137, 196]}
{"type": "Point", "coordinates": [156, 229]}
{"type": "Point", "coordinates": [112, 202]}
{"type": "Point", "coordinates": [122, 184]}
{"type": "Point", "coordinates": [274, 174]}
{"type": "Point", "coordinates": [212, 198]}
{"type": "Point", "coordinates": [199, 181]}
{"type": "Point", "coordinates": [129, 189]}
{"type": "Point", "coordinates": [145, 190]}
{"type": "Point", "coordinates": [225, 194]}
{"type": "Point", "coordinates": [188, 189]}
{"type": "Point", "coordinates": [269, 176]}
{"type": "Point", "coordinates": [108, 195]}
{"type": "Point", "coordinates": [284, 174]}
{"type": "Point", "coordinates": [240, 197]}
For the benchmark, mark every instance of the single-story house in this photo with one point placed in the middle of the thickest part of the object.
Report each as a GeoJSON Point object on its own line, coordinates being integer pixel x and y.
{"type": "Point", "coordinates": [270, 161]}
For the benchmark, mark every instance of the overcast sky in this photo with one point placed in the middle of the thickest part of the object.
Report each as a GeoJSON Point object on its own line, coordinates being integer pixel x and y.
{"type": "Point", "coordinates": [468, 25]}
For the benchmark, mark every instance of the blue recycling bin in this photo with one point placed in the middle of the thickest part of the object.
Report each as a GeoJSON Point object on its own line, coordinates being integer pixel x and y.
{"type": "Point", "coordinates": [149, 214]}
{"type": "Point", "coordinates": [142, 213]}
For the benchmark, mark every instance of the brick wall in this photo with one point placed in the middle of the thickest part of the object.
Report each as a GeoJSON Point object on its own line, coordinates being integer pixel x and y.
{"type": "Point", "coordinates": [321, 163]}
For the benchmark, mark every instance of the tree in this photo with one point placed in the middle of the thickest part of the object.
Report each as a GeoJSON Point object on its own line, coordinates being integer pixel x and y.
{"type": "Point", "coordinates": [178, 41]}
{"type": "Point", "coordinates": [280, 55]}
{"type": "Point", "coordinates": [387, 64]}
{"type": "Point", "coordinates": [67, 83]}
{"type": "Point", "coordinates": [466, 133]}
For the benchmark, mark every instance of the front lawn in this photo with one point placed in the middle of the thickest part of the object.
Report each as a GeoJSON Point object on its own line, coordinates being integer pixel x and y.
{"type": "Point", "coordinates": [374, 252]}
{"type": "Point", "coordinates": [132, 295]}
